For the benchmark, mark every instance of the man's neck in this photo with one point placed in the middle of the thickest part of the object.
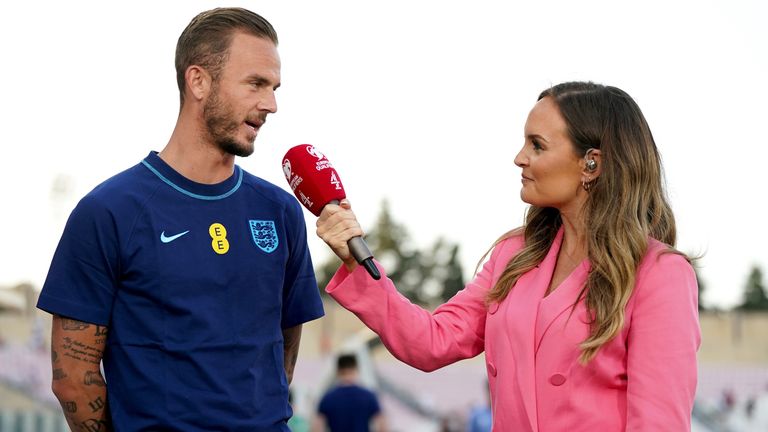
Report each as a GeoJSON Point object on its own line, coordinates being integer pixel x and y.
{"type": "Point", "coordinates": [347, 378]}
{"type": "Point", "coordinates": [196, 158]}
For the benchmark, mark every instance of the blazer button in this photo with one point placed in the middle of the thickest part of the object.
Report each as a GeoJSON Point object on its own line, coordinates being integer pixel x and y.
{"type": "Point", "coordinates": [491, 369]}
{"type": "Point", "coordinates": [557, 379]}
{"type": "Point", "coordinates": [493, 308]}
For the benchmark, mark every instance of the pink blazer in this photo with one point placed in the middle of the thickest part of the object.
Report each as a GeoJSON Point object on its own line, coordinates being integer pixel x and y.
{"type": "Point", "coordinates": [642, 380]}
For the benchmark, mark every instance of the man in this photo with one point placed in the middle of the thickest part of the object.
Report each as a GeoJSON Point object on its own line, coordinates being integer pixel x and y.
{"type": "Point", "coordinates": [189, 277]}
{"type": "Point", "coordinates": [348, 407]}
{"type": "Point", "coordinates": [481, 416]}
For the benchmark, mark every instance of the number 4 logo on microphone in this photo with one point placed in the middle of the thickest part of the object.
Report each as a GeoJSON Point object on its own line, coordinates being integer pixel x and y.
{"type": "Point", "coordinates": [335, 180]}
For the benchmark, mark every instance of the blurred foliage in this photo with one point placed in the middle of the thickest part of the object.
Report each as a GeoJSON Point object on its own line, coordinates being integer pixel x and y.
{"type": "Point", "coordinates": [755, 298]}
{"type": "Point", "coordinates": [427, 277]}
{"type": "Point", "coordinates": [702, 287]}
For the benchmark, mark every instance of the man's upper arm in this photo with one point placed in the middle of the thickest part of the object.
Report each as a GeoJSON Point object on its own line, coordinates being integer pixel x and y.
{"type": "Point", "coordinates": [291, 341]}
{"type": "Point", "coordinates": [76, 351]}
{"type": "Point", "coordinates": [84, 272]}
{"type": "Point", "coordinates": [77, 348]}
{"type": "Point", "coordinates": [379, 423]}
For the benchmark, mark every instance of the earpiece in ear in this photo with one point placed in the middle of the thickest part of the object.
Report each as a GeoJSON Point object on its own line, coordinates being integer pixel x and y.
{"type": "Point", "coordinates": [591, 165]}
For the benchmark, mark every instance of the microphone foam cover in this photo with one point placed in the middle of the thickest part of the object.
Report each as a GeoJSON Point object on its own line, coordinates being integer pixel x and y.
{"type": "Point", "coordinates": [311, 177]}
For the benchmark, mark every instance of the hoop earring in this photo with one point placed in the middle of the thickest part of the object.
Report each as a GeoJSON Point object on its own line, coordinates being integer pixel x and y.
{"type": "Point", "coordinates": [586, 184]}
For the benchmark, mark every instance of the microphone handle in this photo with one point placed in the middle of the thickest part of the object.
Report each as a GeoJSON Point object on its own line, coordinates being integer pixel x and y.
{"type": "Point", "coordinates": [362, 253]}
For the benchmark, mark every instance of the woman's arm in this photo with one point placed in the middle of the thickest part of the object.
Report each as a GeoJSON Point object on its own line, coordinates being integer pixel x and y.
{"type": "Point", "coordinates": [424, 340]}
{"type": "Point", "coordinates": [663, 338]}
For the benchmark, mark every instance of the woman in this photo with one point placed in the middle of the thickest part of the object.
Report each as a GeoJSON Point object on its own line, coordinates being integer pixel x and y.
{"type": "Point", "coordinates": [587, 316]}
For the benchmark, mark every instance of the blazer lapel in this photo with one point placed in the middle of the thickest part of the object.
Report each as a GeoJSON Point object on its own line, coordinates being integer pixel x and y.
{"type": "Point", "coordinates": [560, 301]}
{"type": "Point", "coordinates": [521, 315]}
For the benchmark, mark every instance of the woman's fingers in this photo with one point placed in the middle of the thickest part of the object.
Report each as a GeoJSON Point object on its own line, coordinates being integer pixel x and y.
{"type": "Point", "coordinates": [336, 225]}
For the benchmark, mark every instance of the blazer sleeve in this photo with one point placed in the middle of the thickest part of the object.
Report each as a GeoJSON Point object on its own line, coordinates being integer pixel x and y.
{"type": "Point", "coordinates": [663, 338]}
{"type": "Point", "coordinates": [424, 340]}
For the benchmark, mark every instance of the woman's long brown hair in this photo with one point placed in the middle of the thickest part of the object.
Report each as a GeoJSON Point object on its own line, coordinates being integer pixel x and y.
{"type": "Point", "coordinates": [625, 205]}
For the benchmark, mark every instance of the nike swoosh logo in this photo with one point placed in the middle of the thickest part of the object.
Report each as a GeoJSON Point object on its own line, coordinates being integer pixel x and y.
{"type": "Point", "coordinates": [165, 239]}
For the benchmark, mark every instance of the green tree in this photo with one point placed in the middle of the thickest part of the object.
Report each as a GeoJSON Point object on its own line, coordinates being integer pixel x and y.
{"type": "Point", "coordinates": [427, 277]}
{"type": "Point", "coordinates": [755, 297]}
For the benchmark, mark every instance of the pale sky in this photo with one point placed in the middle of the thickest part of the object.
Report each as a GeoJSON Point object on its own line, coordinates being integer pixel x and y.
{"type": "Point", "coordinates": [419, 102]}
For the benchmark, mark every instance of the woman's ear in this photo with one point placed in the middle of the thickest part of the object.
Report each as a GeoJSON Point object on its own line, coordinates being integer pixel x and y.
{"type": "Point", "coordinates": [592, 164]}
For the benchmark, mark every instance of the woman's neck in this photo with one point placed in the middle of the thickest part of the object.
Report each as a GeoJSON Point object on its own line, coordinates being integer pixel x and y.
{"type": "Point", "coordinates": [574, 236]}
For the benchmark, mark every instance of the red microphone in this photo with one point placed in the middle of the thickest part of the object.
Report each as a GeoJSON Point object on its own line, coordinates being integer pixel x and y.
{"type": "Point", "coordinates": [316, 183]}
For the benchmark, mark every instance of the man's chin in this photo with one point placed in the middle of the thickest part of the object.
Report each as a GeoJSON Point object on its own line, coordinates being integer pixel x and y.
{"type": "Point", "coordinates": [237, 149]}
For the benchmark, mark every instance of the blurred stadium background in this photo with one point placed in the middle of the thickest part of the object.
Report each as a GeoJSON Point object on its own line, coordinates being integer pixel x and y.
{"type": "Point", "coordinates": [732, 392]}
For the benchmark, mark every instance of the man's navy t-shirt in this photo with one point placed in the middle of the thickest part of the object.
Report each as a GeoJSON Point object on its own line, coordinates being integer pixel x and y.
{"type": "Point", "coordinates": [196, 283]}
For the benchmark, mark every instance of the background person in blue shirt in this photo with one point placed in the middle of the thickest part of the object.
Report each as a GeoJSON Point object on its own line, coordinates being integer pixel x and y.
{"type": "Point", "coordinates": [188, 277]}
{"type": "Point", "coordinates": [348, 406]}
{"type": "Point", "coordinates": [481, 416]}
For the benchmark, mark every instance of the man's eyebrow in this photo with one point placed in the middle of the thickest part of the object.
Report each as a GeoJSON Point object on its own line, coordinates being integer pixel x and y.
{"type": "Point", "coordinates": [258, 79]}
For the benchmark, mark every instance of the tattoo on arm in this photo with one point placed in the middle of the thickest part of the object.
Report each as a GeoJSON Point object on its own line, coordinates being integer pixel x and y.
{"type": "Point", "coordinates": [76, 351]}
{"type": "Point", "coordinates": [70, 324]}
{"type": "Point", "coordinates": [94, 425]}
{"type": "Point", "coordinates": [80, 351]}
{"type": "Point", "coordinates": [69, 406]}
{"type": "Point", "coordinates": [59, 374]}
{"type": "Point", "coordinates": [97, 404]}
{"type": "Point", "coordinates": [94, 378]}
{"type": "Point", "coordinates": [76, 348]}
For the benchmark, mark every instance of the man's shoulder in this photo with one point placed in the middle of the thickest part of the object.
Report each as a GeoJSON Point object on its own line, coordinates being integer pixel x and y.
{"type": "Point", "coordinates": [112, 192]}
{"type": "Point", "coordinates": [269, 190]}
{"type": "Point", "coordinates": [364, 391]}
{"type": "Point", "coordinates": [347, 389]}
{"type": "Point", "coordinates": [123, 182]}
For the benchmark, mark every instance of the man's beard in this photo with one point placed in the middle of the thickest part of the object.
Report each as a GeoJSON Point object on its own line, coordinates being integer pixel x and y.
{"type": "Point", "coordinates": [221, 126]}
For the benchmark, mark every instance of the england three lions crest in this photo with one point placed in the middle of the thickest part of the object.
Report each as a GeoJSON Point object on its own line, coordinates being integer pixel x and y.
{"type": "Point", "coordinates": [264, 235]}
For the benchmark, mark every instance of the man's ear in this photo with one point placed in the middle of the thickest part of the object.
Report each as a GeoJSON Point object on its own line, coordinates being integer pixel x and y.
{"type": "Point", "coordinates": [592, 164]}
{"type": "Point", "coordinates": [198, 82]}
